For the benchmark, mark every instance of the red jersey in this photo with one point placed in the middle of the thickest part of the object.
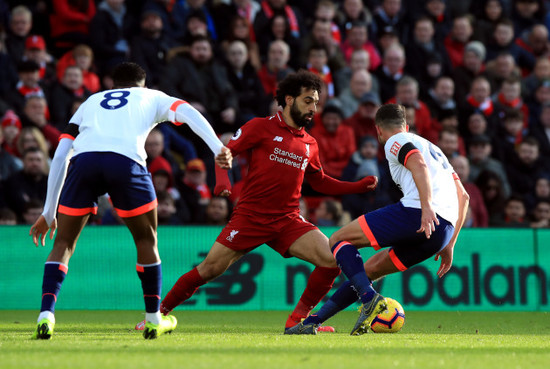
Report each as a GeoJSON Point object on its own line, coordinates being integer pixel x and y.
{"type": "Point", "coordinates": [278, 156]}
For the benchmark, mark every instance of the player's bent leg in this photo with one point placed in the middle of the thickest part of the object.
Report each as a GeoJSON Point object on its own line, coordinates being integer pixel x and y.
{"type": "Point", "coordinates": [55, 270]}
{"type": "Point", "coordinates": [314, 248]}
{"type": "Point", "coordinates": [380, 265]}
{"type": "Point", "coordinates": [353, 232]}
{"type": "Point", "coordinates": [144, 232]}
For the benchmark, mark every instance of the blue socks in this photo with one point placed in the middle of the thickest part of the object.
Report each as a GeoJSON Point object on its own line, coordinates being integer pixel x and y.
{"type": "Point", "coordinates": [54, 275]}
{"type": "Point", "coordinates": [350, 261]}
{"type": "Point", "coordinates": [341, 299]}
{"type": "Point", "coordinates": [151, 282]}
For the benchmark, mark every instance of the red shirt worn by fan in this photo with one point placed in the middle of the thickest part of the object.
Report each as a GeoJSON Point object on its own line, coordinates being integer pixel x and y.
{"type": "Point", "coordinates": [279, 158]}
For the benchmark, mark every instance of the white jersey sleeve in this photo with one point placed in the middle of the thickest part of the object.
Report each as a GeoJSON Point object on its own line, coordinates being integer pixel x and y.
{"type": "Point", "coordinates": [444, 199]}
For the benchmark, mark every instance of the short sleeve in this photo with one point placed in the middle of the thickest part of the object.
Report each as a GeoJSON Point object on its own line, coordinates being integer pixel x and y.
{"type": "Point", "coordinates": [398, 149]}
{"type": "Point", "coordinates": [77, 116]}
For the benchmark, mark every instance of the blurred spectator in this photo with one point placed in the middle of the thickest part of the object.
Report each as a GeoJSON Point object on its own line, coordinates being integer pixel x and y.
{"type": "Point", "coordinates": [193, 189]}
{"type": "Point", "coordinates": [82, 56]}
{"type": "Point", "coordinates": [448, 142]}
{"type": "Point", "coordinates": [279, 29]}
{"type": "Point", "coordinates": [196, 24]}
{"type": "Point", "coordinates": [70, 23]}
{"type": "Point", "coordinates": [336, 141]}
{"type": "Point", "coordinates": [463, 75]}
{"type": "Point", "coordinates": [440, 98]}
{"type": "Point", "coordinates": [503, 41]}
{"type": "Point", "coordinates": [110, 32]}
{"type": "Point", "coordinates": [527, 14]}
{"type": "Point", "coordinates": [479, 101]}
{"type": "Point", "coordinates": [534, 40]}
{"type": "Point", "coordinates": [28, 183]}
{"type": "Point", "coordinates": [509, 98]}
{"type": "Point", "coordinates": [11, 127]}
{"type": "Point", "coordinates": [173, 14]}
{"type": "Point", "coordinates": [32, 211]}
{"type": "Point", "coordinates": [7, 216]}
{"type": "Point", "coordinates": [32, 137]}
{"type": "Point", "coordinates": [502, 68]}
{"type": "Point", "coordinates": [365, 162]}
{"type": "Point", "coordinates": [480, 218]}
{"type": "Point", "coordinates": [391, 17]}
{"type": "Point", "coordinates": [166, 210]}
{"type": "Point", "coordinates": [218, 211]}
{"type": "Point", "coordinates": [199, 79]}
{"type": "Point", "coordinates": [35, 50]}
{"type": "Point", "coordinates": [492, 191]}
{"type": "Point", "coordinates": [423, 46]}
{"type": "Point", "coordinates": [537, 77]}
{"type": "Point", "coordinates": [330, 213]}
{"type": "Point", "coordinates": [356, 39]}
{"type": "Point", "coordinates": [19, 28]}
{"type": "Point", "coordinates": [35, 115]}
{"type": "Point", "coordinates": [64, 93]}
{"type": "Point", "coordinates": [541, 215]}
{"type": "Point", "coordinates": [325, 11]}
{"type": "Point", "coordinates": [230, 13]}
{"type": "Point", "coordinates": [480, 161]}
{"type": "Point", "coordinates": [541, 192]}
{"type": "Point", "coordinates": [439, 14]}
{"type": "Point", "coordinates": [390, 71]}
{"type": "Point", "coordinates": [406, 93]}
{"type": "Point", "coordinates": [150, 47]}
{"type": "Point", "coordinates": [199, 6]}
{"type": "Point", "coordinates": [276, 67]}
{"type": "Point", "coordinates": [272, 8]}
{"type": "Point", "coordinates": [541, 130]}
{"type": "Point", "coordinates": [240, 30]}
{"type": "Point", "coordinates": [360, 60]}
{"type": "Point", "coordinates": [155, 149]}
{"type": "Point", "coordinates": [362, 121]}
{"type": "Point", "coordinates": [456, 41]}
{"type": "Point", "coordinates": [477, 125]}
{"type": "Point", "coordinates": [246, 84]}
{"type": "Point", "coordinates": [29, 84]}
{"type": "Point", "coordinates": [9, 164]}
{"type": "Point", "coordinates": [8, 72]}
{"type": "Point", "coordinates": [509, 135]}
{"type": "Point", "coordinates": [491, 13]}
{"type": "Point", "coordinates": [317, 64]}
{"type": "Point", "coordinates": [526, 167]}
{"type": "Point", "coordinates": [513, 216]}
{"type": "Point", "coordinates": [360, 84]}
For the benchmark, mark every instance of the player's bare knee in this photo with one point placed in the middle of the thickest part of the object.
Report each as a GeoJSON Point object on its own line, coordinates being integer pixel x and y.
{"type": "Point", "coordinates": [336, 237]}
{"type": "Point", "coordinates": [210, 270]}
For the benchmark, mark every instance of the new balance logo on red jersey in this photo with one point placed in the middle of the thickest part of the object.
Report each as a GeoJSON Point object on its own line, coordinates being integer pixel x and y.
{"type": "Point", "coordinates": [232, 234]}
{"type": "Point", "coordinates": [278, 139]}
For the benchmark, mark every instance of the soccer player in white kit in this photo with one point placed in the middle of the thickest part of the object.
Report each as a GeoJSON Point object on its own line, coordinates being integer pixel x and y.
{"type": "Point", "coordinates": [107, 134]}
{"type": "Point", "coordinates": [425, 222]}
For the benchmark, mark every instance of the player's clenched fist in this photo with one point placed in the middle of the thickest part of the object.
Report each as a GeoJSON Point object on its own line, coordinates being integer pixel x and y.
{"type": "Point", "coordinates": [224, 159]}
{"type": "Point", "coordinates": [370, 182]}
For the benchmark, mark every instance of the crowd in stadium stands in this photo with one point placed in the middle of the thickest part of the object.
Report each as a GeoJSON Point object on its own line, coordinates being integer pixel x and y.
{"type": "Point", "coordinates": [473, 75]}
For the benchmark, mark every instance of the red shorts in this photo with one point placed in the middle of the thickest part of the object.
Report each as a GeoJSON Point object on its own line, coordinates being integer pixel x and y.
{"type": "Point", "coordinates": [246, 231]}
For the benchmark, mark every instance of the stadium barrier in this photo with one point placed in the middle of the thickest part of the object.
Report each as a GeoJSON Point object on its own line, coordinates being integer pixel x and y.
{"type": "Point", "coordinates": [493, 269]}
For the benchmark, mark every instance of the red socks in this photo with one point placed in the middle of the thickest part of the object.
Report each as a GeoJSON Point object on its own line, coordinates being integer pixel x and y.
{"type": "Point", "coordinates": [183, 289]}
{"type": "Point", "coordinates": [319, 283]}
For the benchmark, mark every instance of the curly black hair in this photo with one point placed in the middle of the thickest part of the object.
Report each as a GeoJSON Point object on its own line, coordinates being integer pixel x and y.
{"type": "Point", "coordinates": [128, 75]}
{"type": "Point", "coordinates": [294, 83]}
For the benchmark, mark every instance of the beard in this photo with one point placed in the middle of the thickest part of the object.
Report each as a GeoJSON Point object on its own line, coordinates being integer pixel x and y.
{"type": "Point", "coordinates": [297, 116]}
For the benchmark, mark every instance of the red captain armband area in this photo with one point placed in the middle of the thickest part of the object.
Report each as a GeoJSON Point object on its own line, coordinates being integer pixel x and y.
{"type": "Point", "coordinates": [70, 132]}
{"type": "Point", "coordinates": [331, 186]}
{"type": "Point", "coordinates": [222, 181]}
{"type": "Point", "coordinates": [173, 108]}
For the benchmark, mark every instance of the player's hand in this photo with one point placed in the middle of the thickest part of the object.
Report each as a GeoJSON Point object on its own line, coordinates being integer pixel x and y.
{"type": "Point", "coordinates": [222, 190]}
{"type": "Point", "coordinates": [224, 159]}
{"type": "Point", "coordinates": [39, 230]}
{"type": "Point", "coordinates": [446, 256]}
{"type": "Point", "coordinates": [428, 222]}
{"type": "Point", "coordinates": [370, 182]}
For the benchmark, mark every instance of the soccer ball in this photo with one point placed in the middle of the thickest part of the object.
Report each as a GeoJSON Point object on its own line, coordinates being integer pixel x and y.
{"type": "Point", "coordinates": [391, 320]}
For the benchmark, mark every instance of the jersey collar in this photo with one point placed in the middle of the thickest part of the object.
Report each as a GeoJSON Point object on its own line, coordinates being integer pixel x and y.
{"type": "Point", "coordinates": [281, 122]}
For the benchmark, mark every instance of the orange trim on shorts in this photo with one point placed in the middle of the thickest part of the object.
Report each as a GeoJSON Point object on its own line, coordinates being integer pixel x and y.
{"type": "Point", "coordinates": [140, 268]}
{"type": "Point", "coordinates": [53, 294]}
{"type": "Point", "coordinates": [63, 268]}
{"type": "Point", "coordinates": [66, 135]}
{"type": "Point", "coordinates": [137, 211]}
{"type": "Point", "coordinates": [342, 244]}
{"type": "Point", "coordinates": [174, 106]}
{"type": "Point", "coordinates": [409, 154]}
{"type": "Point", "coordinates": [396, 261]}
{"type": "Point", "coordinates": [76, 212]}
{"type": "Point", "coordinates": [366, 230]}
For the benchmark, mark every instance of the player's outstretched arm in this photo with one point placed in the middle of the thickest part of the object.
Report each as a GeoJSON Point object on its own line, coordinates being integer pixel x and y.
{"type": "Point", "coordinates": [332, 186]}
{"type": "Point", "coordinates": [419, 170]}
{"type": "Point", "coordinates": [185, 113]}
{"type": "Point", "coordinates": [447, 253]}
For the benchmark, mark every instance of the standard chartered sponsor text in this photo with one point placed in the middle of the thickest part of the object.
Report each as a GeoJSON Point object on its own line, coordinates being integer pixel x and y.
{"type": "Point", "coordinates": [286, 157]}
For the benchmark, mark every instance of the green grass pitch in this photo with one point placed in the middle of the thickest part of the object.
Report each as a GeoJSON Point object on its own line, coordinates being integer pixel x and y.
{"type": "Point", "coordinates": [215, 339]}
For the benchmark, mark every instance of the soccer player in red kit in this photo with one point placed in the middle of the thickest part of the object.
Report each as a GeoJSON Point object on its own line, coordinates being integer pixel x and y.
{"type": "Point", "coordinates": [280, 154]}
